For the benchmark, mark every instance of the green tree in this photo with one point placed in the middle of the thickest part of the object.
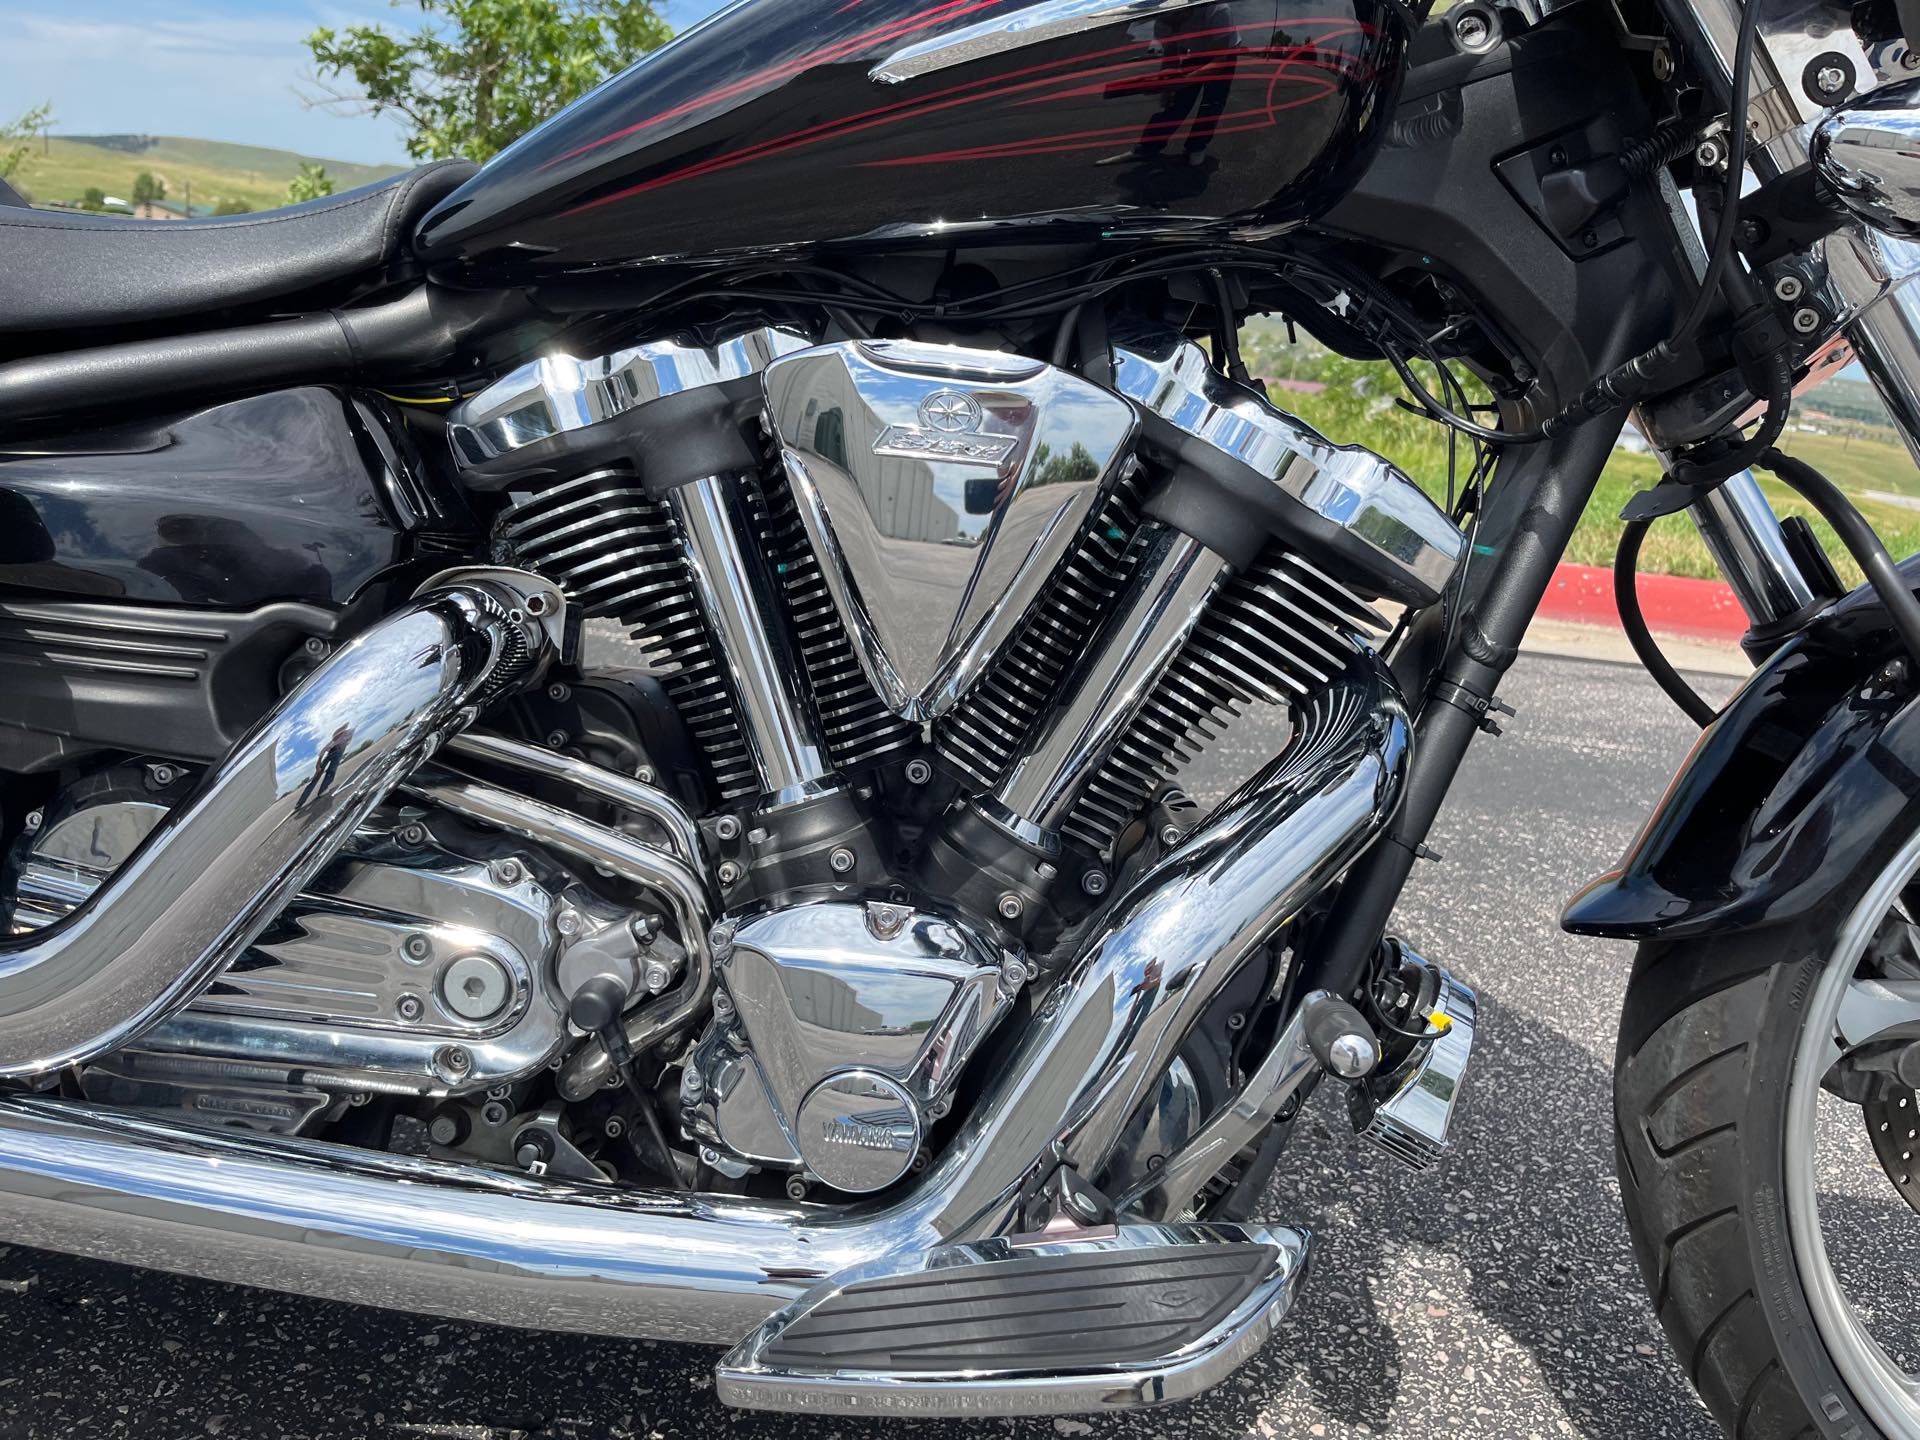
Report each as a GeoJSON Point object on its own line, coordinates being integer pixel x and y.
{"type": "Point", "coordinates": [16, 137]}
{"type": "Point", "coordinates": [93, 198]}
{"type": "Point", "coordinates": [487, 72]}
{"type": "Point", "coordinates": [147, 187]}
{"type": "Point", "coordinates": [310, 184]}
{"type": "Point", "coordinates": [232, 207]}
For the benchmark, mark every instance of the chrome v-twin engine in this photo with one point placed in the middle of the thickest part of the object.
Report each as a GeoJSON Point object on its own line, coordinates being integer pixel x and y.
{"type": "Point", "coordinates": [1029, 592]}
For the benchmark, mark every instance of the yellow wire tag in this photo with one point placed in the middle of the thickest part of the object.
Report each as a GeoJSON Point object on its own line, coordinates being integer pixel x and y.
{"type": "Point", "coordinates": [1441, 1021]}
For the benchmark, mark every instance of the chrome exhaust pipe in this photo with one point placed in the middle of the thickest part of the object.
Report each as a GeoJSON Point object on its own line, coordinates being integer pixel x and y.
{"type": "Point", "coordinates": [261, 825]}
{"type": "Point", "coordinates": [421, 1235]}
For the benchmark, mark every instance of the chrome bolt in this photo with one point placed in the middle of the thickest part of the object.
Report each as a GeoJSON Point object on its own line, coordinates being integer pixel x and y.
{"type": "Point", "coordinates": [729, 872]}
{"type": "Point", "coordinates": [657, 976]}
{"type": "Point", "coordinates": [1710, 153]}
{"type": "Point", "coordinates": [919, 772]}
{"type": "Point", "coordinates": [1094, 882]}
{"type": "Point", "coordinates": [567, 922]}
{"type": "Point", "coordinates": [507, 872]}
{"type": "Point", "coordinates": [1171, 835]}
{"type": "Point", "coordinates": [539, 603]}
{"type": "Point", "coordinates": [720, 939]}
{"type": "Point", "coordinates": [645, 929]}
{"type": "Point", "coordinates": [411, 834]}
{"type": "Point", "coordinates": [476, 987]}
{"type": "Point", "coordinates": [1045, 872]}
{"type": "Point", "coordinates": [796, 1187]}
{"type": "Point", "coordinates": [453, 1059]}
{"type": "Point", "coordinates": [1788, 288]}
{"type": "Point", "coordinates": [1010, 906]}
{"type": "Point", "coordinates": [841, 860]}
{"type": "Point", "coordinates": [940, 1108]}
{"type": "Point", "coordinates": [1830, 79]}
{"type": "Point", "coordinates": [1472, 31]}
{"type": "Point", "coordinates": [314, 645]}
{"type": "Point", "coordinates": [644, 775]}
{"type": "Point", "coordinates": [33, 821]}
{"type": "Point", "coordinates": [727, 827]}
{"type": "Point", "coordinates": [757, 837]}
{"type": "Point", "coordinates": [1806, 320]}
{"type": "Point", "coordinates": [162, 775]}
{"type": "Point", "coordinates": [1350, 1055]}
{"type": "Point", "coordinates": [722, 1005]}
{"type": "Point", "coordinates": [410, 1008]}
{"type": "Point", "coordinates": [615, 1127]}
{"type": "Point", "coordinates": [886, 921]}
{"type": "Point", "coordinates": [358, 1098]}
{"type": "Point", "coordinates": [495, 1113]}
{"type": "Point", "coordinates": [559, 690]}
{"type": "Point", "coordinates": [556, 738]}
{"type": "Point", "coordinates": [417, 947]}
{"type": "Point", "coordinates": [710, 1156]}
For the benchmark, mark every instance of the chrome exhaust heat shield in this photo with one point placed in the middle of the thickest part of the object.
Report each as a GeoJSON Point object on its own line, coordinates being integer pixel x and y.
{"type": "Point", "coordinates": [421, 1235]}
{"type": "Point", "coordinates": [260, 825]}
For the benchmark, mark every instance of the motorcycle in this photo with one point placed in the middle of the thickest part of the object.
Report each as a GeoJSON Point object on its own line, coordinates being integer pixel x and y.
{"type": "Point", "coordinates": [852, 984]}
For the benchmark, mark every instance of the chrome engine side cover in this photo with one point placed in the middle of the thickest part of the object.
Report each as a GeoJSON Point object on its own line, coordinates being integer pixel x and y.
{"type": "Point", "coordinates": [939, 486]}
{"type": "Point", "coordinates": [422, 972]}
{"type": "Point", "coordinates": [844, 1030]}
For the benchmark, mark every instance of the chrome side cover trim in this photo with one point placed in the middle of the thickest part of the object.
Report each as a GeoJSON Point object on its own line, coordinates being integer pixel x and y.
{"type": "Point", "coordinates": [1386, 518]}
{"type": "Point", "coordinates": [1029, 25]}
{"type": "Point", "coordinates": [259, 827]}
{"type": "Point", "coordinates": [939, 486]}
{"type": "Point", "coordinates": [1868, 152]}
{"type": "Point", "coordinates": [1131, 1275]}
{"type": "Point", "coordinates": [560, 392]}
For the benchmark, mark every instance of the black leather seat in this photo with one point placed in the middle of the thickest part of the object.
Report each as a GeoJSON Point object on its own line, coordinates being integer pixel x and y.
{"type": "Point", "coordinates": [61, 270]}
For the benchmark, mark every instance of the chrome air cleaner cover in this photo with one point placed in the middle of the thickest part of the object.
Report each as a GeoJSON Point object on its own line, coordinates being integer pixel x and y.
{"type": "Point", "coordinates": [939, 486]}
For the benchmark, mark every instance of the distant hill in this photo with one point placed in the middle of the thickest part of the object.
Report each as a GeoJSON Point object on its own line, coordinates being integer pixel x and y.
{"type": "Point", "coordinates": [66, 166]}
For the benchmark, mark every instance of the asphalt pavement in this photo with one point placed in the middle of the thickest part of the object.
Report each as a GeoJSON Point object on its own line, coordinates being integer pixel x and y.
{"type": "Point", "coordinates": [1493, 1297]}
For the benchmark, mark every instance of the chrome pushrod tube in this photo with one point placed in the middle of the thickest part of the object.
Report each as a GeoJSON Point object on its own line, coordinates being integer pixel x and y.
{"type": "Point", "coordinates": [648, 801]}
{"type": "Point", "coordinates": [427, 1236]}
{"type": "Point", "coordinates": [257, 829]}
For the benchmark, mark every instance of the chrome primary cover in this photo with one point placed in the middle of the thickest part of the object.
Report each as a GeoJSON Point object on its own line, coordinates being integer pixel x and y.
{"type": "Point", "coordinates": [844, 1030]}
{"type": "Point", "coordinates": [939, 487]}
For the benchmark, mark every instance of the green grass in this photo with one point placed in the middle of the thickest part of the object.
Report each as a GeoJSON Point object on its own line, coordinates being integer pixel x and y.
{"type": "Point", "coordinates": [63, 168]}
{"type": "Point", "coordinates": [1858, 462]}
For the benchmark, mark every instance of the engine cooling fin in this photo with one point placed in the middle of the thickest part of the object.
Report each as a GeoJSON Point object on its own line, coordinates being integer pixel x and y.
{"type": "Point", "coordinates": [858, 727]}
{"type": "Point", "coordinates": [1275, 634]}
{"type": "Point", "coordinates": [616, 552]}
{"type": "Point", "coordinates": [979, 738]}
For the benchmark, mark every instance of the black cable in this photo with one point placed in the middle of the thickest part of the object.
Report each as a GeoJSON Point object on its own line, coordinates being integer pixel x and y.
{"type": "Point", "coordinates": [1626, 599]}
{"type": "Point", "coordinates": [1860, 538]}
{"type": "Point", "coordinates": [1722, 252]}
{"type": "Point", "coordinates": [1435, 410]}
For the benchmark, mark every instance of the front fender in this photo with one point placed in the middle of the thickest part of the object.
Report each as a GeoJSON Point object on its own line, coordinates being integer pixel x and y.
{"type": "Point", "coordinates": [1791, 802]}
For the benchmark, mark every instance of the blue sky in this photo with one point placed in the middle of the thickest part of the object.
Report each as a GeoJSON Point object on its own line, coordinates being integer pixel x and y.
{"type": "Point", "coordinates": [211, 69]}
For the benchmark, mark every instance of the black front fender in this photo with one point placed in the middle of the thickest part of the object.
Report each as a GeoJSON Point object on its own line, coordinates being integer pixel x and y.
{"type": "Point", "coordinates": [1791, 802]}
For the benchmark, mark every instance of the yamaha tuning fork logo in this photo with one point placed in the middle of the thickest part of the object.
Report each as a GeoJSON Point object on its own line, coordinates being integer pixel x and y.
{"type": "Point", "coordinates": [948, 429]}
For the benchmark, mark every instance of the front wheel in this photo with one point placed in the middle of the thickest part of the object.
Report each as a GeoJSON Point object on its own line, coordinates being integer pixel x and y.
{"type": "Point", "coordinates": [1765, 1099]}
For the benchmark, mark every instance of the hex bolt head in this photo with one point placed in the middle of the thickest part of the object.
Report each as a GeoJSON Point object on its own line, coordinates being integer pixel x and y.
{"type": "Point", "coordinates": [161, 776]}
{"type": "Point", "coordinates": [1171, 835]}
{"type": "Point", "coordinates": [919, 772]}
{"type": "Point", "coordinates": [559, 690]}
{"type": "Point", "coordinates": [644, 774]}
{"type": "Point", "coordinates": [314, 646]}
{"type": "Point", "coordinates": [453, 1060]}
{"type": "Point", "coordinates": [1010, 906]}
{"type": "Point", "coordinates": [567, 922]}
{"type": "Point", "coordinates": [1830, 79]}
{"type": "Point", "coordinates": [657, 976]}
{"type": "Point", "coordinates": [614, 1128]}
{"type": "Point", "coordinates": [1806, 320]}
{"type": "Point", "coordinates": [410, 1008]}
{"type": "Point", "coordinates": [33, 822]}
{"type": "Point", "coordinates": [727, 827]}
{"type": "Point", "coordinates": [417, 947]}
{"type": "Point", "coordinates": [476, 987]}
{"type": "Point", "coordinates": [557, 738]}
{"type": "Point", "coordinates": [693, 1086]}
{"type": "Point", "coordinates": [729, 872]}
{"type": "Point", "coordinates": [495, 1113]}
{"type": "Point", "coordinates": [411, 834]}
{"type": "Point", "coordinates": [796, 1187]}
{"type": "Point", "coordinates": [507, 872]}
{"type": "Point", "coordinates": [722, 1005]}
{"type": "Point", "coordinates": [1789, 288]}
{"type": "Point", "coordinates": [1094, 882]}
{"type": "Point", "coordinates": [841, 861]}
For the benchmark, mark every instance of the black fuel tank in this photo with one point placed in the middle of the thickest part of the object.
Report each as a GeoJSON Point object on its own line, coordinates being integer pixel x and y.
{"type": "Point", "coordinates": [806, 123]}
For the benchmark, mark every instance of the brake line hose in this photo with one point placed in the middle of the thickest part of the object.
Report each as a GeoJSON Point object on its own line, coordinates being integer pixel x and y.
{"type": "Point", "coordinates": [1626, 600]}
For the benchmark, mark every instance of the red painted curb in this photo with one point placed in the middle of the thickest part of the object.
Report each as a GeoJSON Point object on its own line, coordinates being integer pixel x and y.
{"type": "Point", "coordinates": [1673, 604]}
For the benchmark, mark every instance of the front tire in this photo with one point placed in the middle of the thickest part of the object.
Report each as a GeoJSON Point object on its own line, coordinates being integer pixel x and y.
{"type": "Point", "coordinates": [1708, 1138]}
